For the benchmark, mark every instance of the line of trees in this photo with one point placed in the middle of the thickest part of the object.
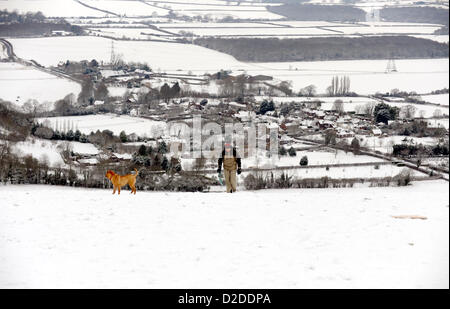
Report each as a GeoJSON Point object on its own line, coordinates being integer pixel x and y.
{"type": "Point", "coordinates": [168, 92]}
{"type": "Point", "coordinates": [340, 86]}
{"type": "Point", "coordinates": [28, 24]}
{"type": "Point", "coordinates": [295, 11]}
{"type": "Point", "coordinates": [326, 48]}
{"type": "Point", "coordinates": [412, 150]}
{"type": "Point", "coordinates": [419, 14]}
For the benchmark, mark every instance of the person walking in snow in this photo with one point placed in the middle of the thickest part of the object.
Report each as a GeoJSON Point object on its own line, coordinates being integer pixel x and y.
{"type": "Point", "coordinates": [231, 164]}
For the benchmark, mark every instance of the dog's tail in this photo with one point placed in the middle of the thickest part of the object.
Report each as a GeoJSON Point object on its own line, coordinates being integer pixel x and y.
{"type": "Point", "coordinates": [137, 172]}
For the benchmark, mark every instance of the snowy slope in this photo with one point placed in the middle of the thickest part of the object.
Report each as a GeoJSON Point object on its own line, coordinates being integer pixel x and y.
{"type": "Point", "coordinates": [50, 8]}
{"type": "Point", "coordinates": [367, 76]}
{"type": "Point", "coordinates": [50, 151]}
{"type": "Point", "coordinates": [347, 238]}
{"type": "Point", "coordinates": [442, 99]}
{"type": "Point", "coordinates": [20, 83]}
{"type": "Point", "coordinates": [166, 56]}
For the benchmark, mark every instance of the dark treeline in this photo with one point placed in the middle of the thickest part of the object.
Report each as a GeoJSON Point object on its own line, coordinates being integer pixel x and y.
{"type": "Point", "coordinates": [17, 18]}
{"type": "Point", "coordinates": [405, 150]}
{"type": "Point", "coordinates": [318, 49]}
{"type": "Point", "coordinates": [319, 12]}
{"type": "Point", "coordinates": [415, 15]}
{"type": "Point", "coordinates": [31, 29]}
{"type": "Point", "coordinates": [30, 24]}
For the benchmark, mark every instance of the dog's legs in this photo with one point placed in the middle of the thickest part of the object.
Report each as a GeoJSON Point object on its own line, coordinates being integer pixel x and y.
{"type": "Point", "coordinates": [114, 191]}
{"type": "Point", "coordinates": [118, 188]}
{"type": "Point", "coordinates": [132, 185]}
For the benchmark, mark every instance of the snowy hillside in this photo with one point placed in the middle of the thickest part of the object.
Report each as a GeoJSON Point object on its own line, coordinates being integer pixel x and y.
{"type": "Point", "coordinates": [346, 238]}
{"type": "Point", "coordinates": [367, 76]}
{"type": "Point", "coordinates": [19, 84]}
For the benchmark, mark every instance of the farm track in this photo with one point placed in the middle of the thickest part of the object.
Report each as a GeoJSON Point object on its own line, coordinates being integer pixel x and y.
{"type": "Point", "coordinates": [14, 58]}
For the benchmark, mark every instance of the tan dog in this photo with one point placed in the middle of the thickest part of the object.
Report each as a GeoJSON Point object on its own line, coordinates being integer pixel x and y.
{"type": "Point", "coordinates": [119, 181]}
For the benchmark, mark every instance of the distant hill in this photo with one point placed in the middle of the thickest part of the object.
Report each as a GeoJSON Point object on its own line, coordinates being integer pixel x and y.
{"type": "Point", "coordinates": [14, 24]}
{"type": "Point", "coordinates": [330, 48]}
{"type": "Point", "coordinates": [37, 29]}
{"type": "Point", "coordinates": [429, 15]}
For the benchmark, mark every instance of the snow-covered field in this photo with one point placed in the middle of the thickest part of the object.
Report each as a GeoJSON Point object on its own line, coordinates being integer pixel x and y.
{"type": "Point", "coordinates": [366, 76]}
{"type": "Point", "coordinates": [50, 8]}
{"type": "Point", "coordinates": [188, 26]}
{"type": "Point", "coordinates": [441, 99]}
{"type": "Point", "coordinates": [50, 151]}
{"type": "Point", "coordinates": [20, 83]}
{"type": "Point", "coordinates": [59, 237]}
{"type": "Point", "coordinates": [129, 33]}
{"type": "Point", "coordinates": [159, 55]}
{"type": "Point", "coordinates": [126, 8]}
{"type": "Point", "coordinates": [423, 29]}
{"type": "Point", "coordinates": [303, 29]}
{"type": "Point", "coordinates": [214, 11]}
{"type": "Point", "coordinates": [256, 32]}
{"type": "Point", "coordinates": [114, 123]}
{"type": "Point", "coordinates": [424, 111]}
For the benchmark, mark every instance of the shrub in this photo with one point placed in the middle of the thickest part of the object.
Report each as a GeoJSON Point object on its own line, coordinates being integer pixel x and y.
{"type": "Point", "coordinates": [304, 161]}
{"type": "Point", "coordinates": [292, 152]}
{"type": "Point", "coordinates": [123, 137]}
{"type": "Point", "coordinates": [44, 132]}
{"type": "Point", "coordinates": [284, 181]}
{"type": "Point", "coordinates": [355, 146]}
{"type": "Point", "coordinates": [404, 178]}
{"type": "Point", "coordinates": [142, 150]}
{"type": "Point", "coordinates": [162, 147]}
{"type": "Point", "coordinates": [252, 182]}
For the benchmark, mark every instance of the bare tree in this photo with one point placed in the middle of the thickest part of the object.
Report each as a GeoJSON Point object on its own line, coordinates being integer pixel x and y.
{"type": "Point", "coordinates": [437, 113]}
{"type": "Point", "coordinates": [308, 91]}
{"type": "Point", "coordinates": [338, 106]}
{"type": "Point", "coordinates": [408, 111]}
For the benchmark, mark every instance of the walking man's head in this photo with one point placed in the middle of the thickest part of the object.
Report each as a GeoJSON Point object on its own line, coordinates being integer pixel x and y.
{"type": "Point", "coordinates": [228, 147]}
